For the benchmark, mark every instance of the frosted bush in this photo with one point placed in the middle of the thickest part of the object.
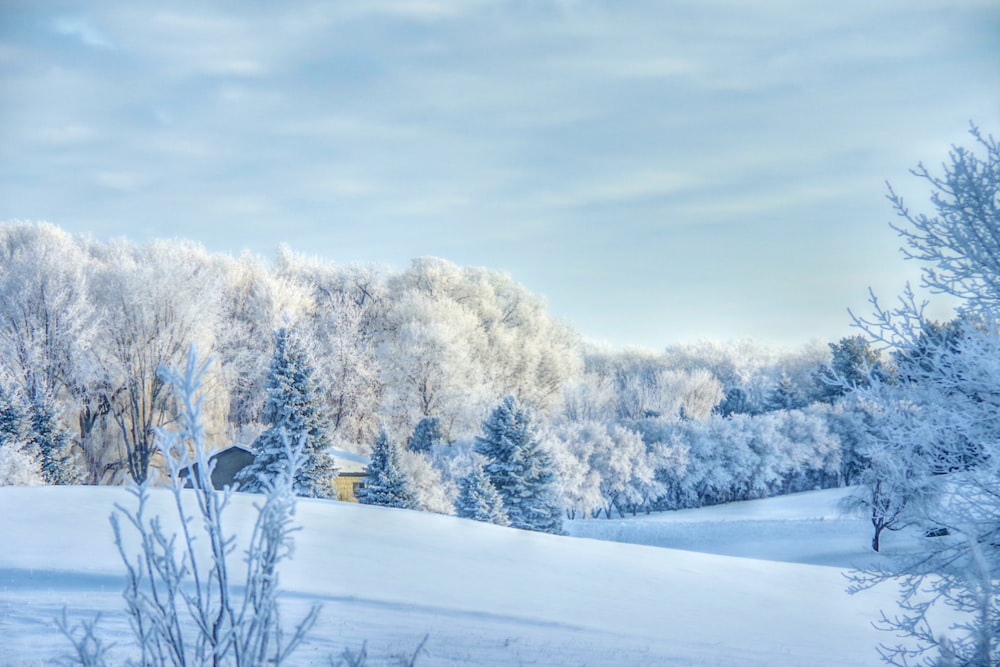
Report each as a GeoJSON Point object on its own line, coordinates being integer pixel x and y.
{"type": "Point", "coordinates": [18, 468]}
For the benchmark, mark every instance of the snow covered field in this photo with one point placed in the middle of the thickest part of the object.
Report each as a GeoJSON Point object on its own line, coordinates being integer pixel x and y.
{"type": "Point", "coordinates": [758, 583]}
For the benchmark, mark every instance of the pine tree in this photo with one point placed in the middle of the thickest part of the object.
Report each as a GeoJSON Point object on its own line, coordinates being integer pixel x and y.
{"type": "Point", "coordinates": [13, 422]}
{"type": "Point", "coordinates": [425, 435]}
{"type": "Point", "coordinates": [292, 415]}
{"type": "Point", "coordinates": [519, 468]}
{"type": "Point", "coordinates": [785, 395]}
{"type": "Point", "coordinates": [52, 442]}
{"type": "Point", "coordinates": [854, 363]}
{"type": "Point", "coordinates": [735, 402]}
{"type": "Point", "coordinates": [386, 484]}
{"type": "Point", "coordinates": [479, 500]}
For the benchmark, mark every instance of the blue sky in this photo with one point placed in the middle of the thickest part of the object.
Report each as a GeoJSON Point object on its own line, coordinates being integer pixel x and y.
{"type": "Point", "coordinates": [660, 172]}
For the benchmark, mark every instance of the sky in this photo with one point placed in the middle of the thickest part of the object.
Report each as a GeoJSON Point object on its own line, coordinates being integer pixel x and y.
{"type": "Point", "coordinates": [659, 172]}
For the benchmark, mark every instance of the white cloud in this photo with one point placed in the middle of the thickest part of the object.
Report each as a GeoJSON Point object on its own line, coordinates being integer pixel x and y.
{"type": "Point", "coordinates": [120, 180]}
{"type": "Point", "coordinates": [83, 30]}
{"type": "Point", "coordinates": [612, 131]}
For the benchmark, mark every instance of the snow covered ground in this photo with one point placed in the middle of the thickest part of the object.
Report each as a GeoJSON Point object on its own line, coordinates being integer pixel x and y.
{"type": "Point", "coordinates": [757, 583]}
{"type": "Point", "coordinates": [808, 528]}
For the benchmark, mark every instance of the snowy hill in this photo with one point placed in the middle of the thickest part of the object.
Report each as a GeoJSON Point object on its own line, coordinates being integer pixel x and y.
{"type": "Point", "coordinates": [808, 528]}
{"type": "Point", "coordinates": [485, 595]}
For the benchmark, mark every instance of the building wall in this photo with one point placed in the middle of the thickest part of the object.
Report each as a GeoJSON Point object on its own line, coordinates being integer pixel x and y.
{"type": "Point", "coordinates": [347, 485]}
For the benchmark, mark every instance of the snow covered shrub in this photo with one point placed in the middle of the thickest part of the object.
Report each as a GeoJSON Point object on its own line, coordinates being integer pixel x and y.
{"type": "Point", "coordinates": [184, 608]}
{"type": "Point", "coordinates": [426, 483]}
{"type": "Point", "coordinates": [18, 468]}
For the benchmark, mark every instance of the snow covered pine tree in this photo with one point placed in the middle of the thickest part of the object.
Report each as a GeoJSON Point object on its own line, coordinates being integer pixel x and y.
{"type": "Point", "coordinates": [292, 414]}
{"type": "Point", "coordinates": [386, 484]}
{"type": "Point", "coordinates": [477, 499]}
{"type": "Point", "coordinates": [519, 468]}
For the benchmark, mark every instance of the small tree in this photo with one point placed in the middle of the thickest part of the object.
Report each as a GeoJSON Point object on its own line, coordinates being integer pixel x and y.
{"type": "Point", "coordinates": [477, 499]}
{"type": "Point", "coordinates": [386, 484]}
{"type": "Point", "coordinates": [896, 481]}
{"type": "Point", "coordinates": [519, 468]}
{"type": "Point", "coordinates": [292, 414]}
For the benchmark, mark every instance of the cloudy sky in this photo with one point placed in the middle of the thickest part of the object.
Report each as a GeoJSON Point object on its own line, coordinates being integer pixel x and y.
{"type": "Point", "coordinates": [659, 171]}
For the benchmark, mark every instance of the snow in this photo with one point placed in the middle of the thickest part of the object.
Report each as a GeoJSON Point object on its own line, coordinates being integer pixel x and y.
{"type": "Point", "coordinates": [348, 461]}
{"type": "Point", "coordinates": [808, 528]}
{"type": "Point", "coordinates": [487, 595]}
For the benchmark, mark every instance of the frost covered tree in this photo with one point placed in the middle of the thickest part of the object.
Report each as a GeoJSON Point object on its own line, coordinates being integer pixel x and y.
{"type": "Point", "coordinates": [943, 405]}
{"type": "Point", "coordinates": [386, 484]}
{"type": "Point", "coordinates": [152, 302]}
{"type": "Point", "coordinates": [478, 499]}
{"type": "Point", "coordinates": [252, 303]}
{"type": "Point", "coordinates": [431, 491]}
{"type": "Point", "coordinates": [430, 363]}
{"type": "Point", "coordinates": [607, 467]}
{"type": "Point", "coordinates": [896, 481]}
{"type": "Point", "coordinates": [292, 415]}
{"type": "Point", "coordinates": [520, 468]}
{"type": "Point", "coordinates": [853, 363]}
{"type": "Point", "coordinates": [426, 435]}
{"type": "Point", "coordinates": [46, 318]}
{"type": "Point", "coordinates": [344, 322]}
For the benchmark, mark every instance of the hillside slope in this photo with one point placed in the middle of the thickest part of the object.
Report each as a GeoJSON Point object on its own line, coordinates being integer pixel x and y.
{"type": "Point", "coordinates": [485, 595]}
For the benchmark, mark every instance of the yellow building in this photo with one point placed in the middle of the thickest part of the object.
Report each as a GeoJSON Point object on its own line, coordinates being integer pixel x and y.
{"type": "Point", "coordinates": [351, 473]}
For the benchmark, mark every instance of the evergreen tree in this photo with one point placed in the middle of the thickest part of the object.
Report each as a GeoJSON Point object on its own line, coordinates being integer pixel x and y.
{"type": "Point", "coordinates": [386, 484]}
{"type": "Point", "coordinates": [13, 422]}
{"type": "Point", "coordinates": [853, 364]}
{"type": "Point", "coordinates": [785, 395]}
{"type": "Point", "coordinates": [291, 413]}
{"type": "Point", "coordinates": [735, 402]}
{"type": "Point", "coordinates": [479, 500]}
{"type": "Point", "coordinates": [52, 442]}
{"type": "Point", "coordinates": [425, 435]}
{"type": "Point", "coordinates": [519, 468]}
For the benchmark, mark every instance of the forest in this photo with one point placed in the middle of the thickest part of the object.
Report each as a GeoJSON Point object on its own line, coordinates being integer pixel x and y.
{"type": "Point", "coordinates": [422, 356]}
